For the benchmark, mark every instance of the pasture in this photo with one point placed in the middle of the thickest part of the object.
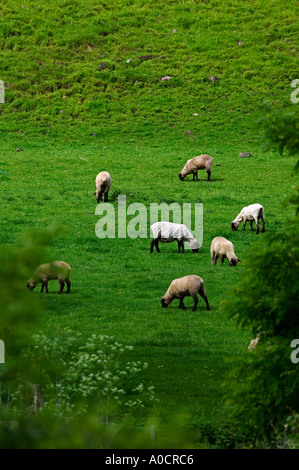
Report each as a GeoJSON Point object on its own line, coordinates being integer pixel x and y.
{"type": "Point", "coordinates": [125, 120]}
{"type": "Point", "coordinates": [117, 284]}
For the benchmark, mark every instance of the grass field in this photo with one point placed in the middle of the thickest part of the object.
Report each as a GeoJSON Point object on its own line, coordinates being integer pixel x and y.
{"type": "Point", "coordinates": [51, 61]}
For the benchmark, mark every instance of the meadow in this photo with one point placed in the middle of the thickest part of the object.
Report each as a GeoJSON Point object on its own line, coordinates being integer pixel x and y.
{"type": "Point", "coordinates": [120, 117]}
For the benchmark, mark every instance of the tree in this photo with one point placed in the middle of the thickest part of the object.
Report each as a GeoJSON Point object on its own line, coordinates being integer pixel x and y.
{"type": "Point", "coordinates": [262, 390]}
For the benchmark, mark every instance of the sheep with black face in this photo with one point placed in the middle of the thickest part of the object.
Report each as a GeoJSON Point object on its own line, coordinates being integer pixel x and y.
{"type": "Point", "coordinates": [46, 272]}
{"type": "Point", "coordinates": [185, 286]}
{"type": "Point", "coordinates": [253, 213]}
{"type": "Point", "coordinates": [167, 232]}
{"type": "Point", "coordinates": [201, 162]}
{"type": "Point", "coordinates": [223, 248]}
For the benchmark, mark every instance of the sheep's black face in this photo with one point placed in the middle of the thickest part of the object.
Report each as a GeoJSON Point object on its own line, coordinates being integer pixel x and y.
{"type": "Point", "coordinates": [181, 177]}
{"type": "Point", "coordinates": [163, 303]}
{"type": "Point", "coordinates": [30, 286]}
{"type": "Point", "coordinates": [234, 226]}
{"type": "Point", "coordinates": [233, 262]}
{"type": "Point", "coordinates": [195, 250]}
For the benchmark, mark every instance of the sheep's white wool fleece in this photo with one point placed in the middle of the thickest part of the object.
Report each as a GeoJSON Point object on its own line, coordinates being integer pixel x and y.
{"type": "Point", "coordinates": [249, 212]}
{"type": "Point", "coordinates": [168, 232]}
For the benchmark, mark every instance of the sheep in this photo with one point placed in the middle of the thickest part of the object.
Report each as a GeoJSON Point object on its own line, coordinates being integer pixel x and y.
{"type": "Point", "coordinates": [253, 342]}
{"type": "Point", "coordinates": [103, 184]}
{"type": "Point", "coordinates": [201, 162]}
{"type": "Point", "coordinates": [185, 286]}
{"type": "Point", "coordinates": [254, 212]}
{"type": "Point", "coordinates": [223, 248]}
{"type": "Point", "coordinates": [46, 272]}
{"type": "Point", "coordinates": [167, 232]}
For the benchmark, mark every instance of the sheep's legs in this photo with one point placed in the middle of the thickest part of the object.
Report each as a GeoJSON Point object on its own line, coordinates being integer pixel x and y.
{"type": "Point", "coordinates": [181, 245]}
{"type": "Point", "coordinates": [257, 227]}
{"type": "Point", "coordinates": [61, 286]}
{"type": "Point", "coordinates": [206, 301]}
{"type": "Point", "coordinates": [44, 284]}
{"type": "Point", "coordinates": [244, 224]}
{"type": "Point", "coordinates": [155, 243]}
{"type": "Point", "coordinates": [209, 175]}
{"type": "Point", "coordinates": [204, 297]}
{"type": "Point", "coordinates": [222, 260]}
{"type": "Point", "coordinates": [263, 220]}
{"type": "Point", "coordinates": [195, 175]}
{"type": "Point", "coordinates": [68, 286]}
{"type": "Point", "coordinates": [100, 194]}
{"type": "Point", "coordinates": [182, 306]}
{"type": "Point", "coordinates": [251, 225]}
{"type": "Point", "coordinates": [195, 303]}
{"type": "Point", "coordinates": [106, 197]}
{"type": "Point", "coordinates": [214, 258]}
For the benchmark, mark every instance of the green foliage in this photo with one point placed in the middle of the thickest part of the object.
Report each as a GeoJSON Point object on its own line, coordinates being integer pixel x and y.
{"type": "Point", "coordinates": [266, 296]}
{"type": "Point", "coordinates": [87, 377]}
{"type": "Point", "coordinates": [281, 131]}
{"type": "Point", "coordinates": [263, 388]}
{"type": "Point", "coordinates": [261, 391]}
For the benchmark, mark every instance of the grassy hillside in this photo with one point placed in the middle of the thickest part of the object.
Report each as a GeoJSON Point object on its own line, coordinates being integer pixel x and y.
{"type": "Point", "coordinates": [66, 69]}
{"type": "Point", "coordinates": [67, 76]}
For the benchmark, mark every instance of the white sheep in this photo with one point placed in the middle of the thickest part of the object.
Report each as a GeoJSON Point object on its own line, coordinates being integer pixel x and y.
{"type": "Point", "coordinates": [183, 287]}
{"type": "Point", "coordinates": [103, 185]}
{"type": "Point", "coordinates": [254, 212]}
{"type": "Point", "coordinates": [201, 162]}
{"type": "Point", "coordinates": [253, 342]}
{"type": "Point", "coordinates": [223, 248]}
{"type": "Point", "coordinates": [167, 232]}
{"type": "Point", "coordinates": [46, 272]}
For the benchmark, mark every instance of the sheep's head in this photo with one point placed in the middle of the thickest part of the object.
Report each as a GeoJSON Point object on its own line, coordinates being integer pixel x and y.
{"type": "Point", "coordinates": [195, 247]}
{"type": "Point", "coordinates": [163, 302]}
{"type": "Point", "coordinates": [181, 177]}
{"type": "Point", "coordinates": [234, 261]}
{"type": "Point", "coordinates": [30, 284]}
{"type": "Point", "coordinates": [234, 226]}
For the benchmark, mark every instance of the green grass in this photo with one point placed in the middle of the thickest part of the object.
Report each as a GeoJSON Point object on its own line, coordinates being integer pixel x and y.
{"type": "Point", "coordinates": [117, 284]}
{"type": "Point", "coordinates": [139, 124]}
{"type": "Point", "coordinates": [67, 67]}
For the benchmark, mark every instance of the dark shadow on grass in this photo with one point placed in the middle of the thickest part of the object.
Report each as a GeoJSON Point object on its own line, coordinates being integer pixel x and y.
{"type": "Point", "coordinates": [189, 308]}
{"type": "Point", "coordinates": [204, 180]}
{"type": "Point", "coordinates": [51, 293]}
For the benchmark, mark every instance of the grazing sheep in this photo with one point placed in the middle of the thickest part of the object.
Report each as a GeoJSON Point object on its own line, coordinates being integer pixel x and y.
{"type": "Point", "coordinates": [185, 286]}
{"type": "Point", "coordinates": [253, 343]}
{"type": "Point", "coordinates": [167, 232]}
{"type": "Point", "coordinates": [103, 184]}
{"type": "Point", "coordinates": [46, 272]}
{"type": "Point", "coordinates": [254, 212]}
{"type": "Point", "coordinates": [201, 162]}
{"type": "Point", "coordinates": [223, 248]}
